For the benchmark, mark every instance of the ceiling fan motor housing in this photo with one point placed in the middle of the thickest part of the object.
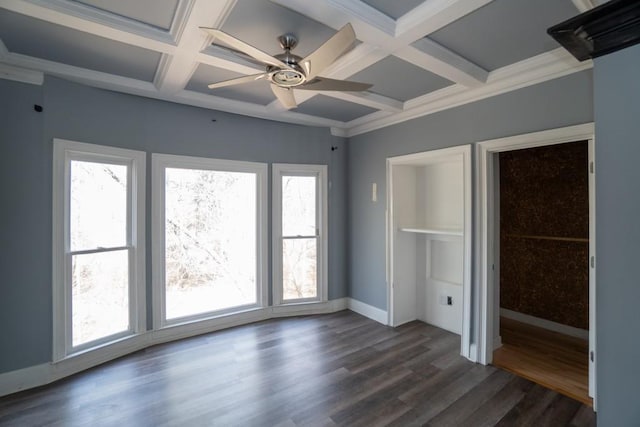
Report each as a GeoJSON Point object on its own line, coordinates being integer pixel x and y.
{"type": "Point", "coordinates": [294, 76]}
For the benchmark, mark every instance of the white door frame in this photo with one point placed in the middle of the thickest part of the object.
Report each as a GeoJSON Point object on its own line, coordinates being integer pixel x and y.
{"type": "Point", "coordinates": [485, 150]}
{"type": "Point", "coordinates": [433, 156]}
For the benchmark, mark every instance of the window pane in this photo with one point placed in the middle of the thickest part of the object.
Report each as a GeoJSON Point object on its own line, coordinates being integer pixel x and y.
{"type": "Point", "coordinates": [298, 205]}
{"type": "Point", "coordinates": [299, 268]}
{"type": "Point", "coordinates": [100, 295]}
{"type": "Point", "coordinates": [98, 211]}
{"type": "Point", "coordinates": [210, 241]}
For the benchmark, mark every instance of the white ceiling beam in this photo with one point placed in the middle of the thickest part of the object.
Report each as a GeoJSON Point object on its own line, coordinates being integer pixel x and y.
{"type": "Point", "coordinates": [368, 99]}
{"type": "Point", "coordinates": [362, 56]}
{"type": "Point", "coordinates": [432, 57]}
{"type": "Point", "coordinates": [584, 5]}
{"type": "Point", "coordinates": [423, 20]}
{"type": "Point", "coordinates": [369, 15]}
{"type": "Point", "coordinates": [94, 21]}
{"type": "Point", "coordinates": [175, 71]}
{"type": "Point", "coordinates": [217, 56]}
{"type": "Point", "coordinates": [432, 15]}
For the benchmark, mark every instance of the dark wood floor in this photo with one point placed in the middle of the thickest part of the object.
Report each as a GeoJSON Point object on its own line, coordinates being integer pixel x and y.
{"type": "Point", "coordinates": [338, 369]}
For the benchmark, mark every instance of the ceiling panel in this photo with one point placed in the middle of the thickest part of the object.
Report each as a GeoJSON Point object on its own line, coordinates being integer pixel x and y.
{"type": "Point", "coordinates": [505, 31]}
{"type": "Point", "coordinates": [41, 39]}
{"type": "Point", "coordinates": [158, 13]}
{"type": "Point", "coordinates": [332, 108]}
{"type": "Point", "coordinates": [400, 80]}
{"type": "Point", "coordinates": [394, 9]}
{"type": "Point", "coordinates": [257, 92]}
{"type": "Point", "coordinates": [259, 23]}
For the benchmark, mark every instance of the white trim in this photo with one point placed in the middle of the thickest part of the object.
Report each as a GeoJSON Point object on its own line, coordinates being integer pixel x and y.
{"type": "Point", "coordinates": [485, 149]}
{"type": "Point", "coordinates": [23, 75]}
{"type": "Point", "coordinates": [322, 223]}
{"type": "Point", "coordinates": [159, 162]}
{"type": "Point", "coordinates": [541, 68]}
{"type": "Point", "coordinates": [373, 313]}
{"type": "Point", "coordinates": [545, 324]}
{"type": "Point", "coordinates": [45, 373]}
{"type": "Point", "coordinates": [64, 152]}
{"type": "Point", "coordinates": [592, 275]}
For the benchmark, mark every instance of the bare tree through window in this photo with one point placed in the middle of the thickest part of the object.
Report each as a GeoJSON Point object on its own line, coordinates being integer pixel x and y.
{"type": "Point", "coordinates": [210, 240]}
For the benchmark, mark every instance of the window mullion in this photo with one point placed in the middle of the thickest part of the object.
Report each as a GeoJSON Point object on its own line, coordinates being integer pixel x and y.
{"type": "Point", "coordinates": [100, 250]}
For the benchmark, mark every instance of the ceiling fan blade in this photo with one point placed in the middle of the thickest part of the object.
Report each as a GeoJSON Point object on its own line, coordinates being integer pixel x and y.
{"type": "Point", "coordinates": [237, 81]}
{"type": "Point", "coordinates": [285, 96]}
{"type": "Point", "coordinates": [323, 83]}
{"type": "Point", "coordinates": [244, 47]}
{"type": "Point", "coordinates": [321, 58]}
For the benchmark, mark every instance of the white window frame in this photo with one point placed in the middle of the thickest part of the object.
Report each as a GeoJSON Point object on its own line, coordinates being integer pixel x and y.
{"type": "Point", "coordinates": [159, 163]}
{"type": "Point", "coordinates": [64, 152]}
{"type": "Point", "coordinates": [322, 196]}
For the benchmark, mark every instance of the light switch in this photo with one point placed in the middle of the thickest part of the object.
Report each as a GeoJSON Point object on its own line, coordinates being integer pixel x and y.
{"type": "Point", "coordinates": [374, 192]}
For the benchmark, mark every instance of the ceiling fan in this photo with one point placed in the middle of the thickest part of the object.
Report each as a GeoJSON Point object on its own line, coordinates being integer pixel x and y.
{"type": "Point", "coordinates": [287, 71]}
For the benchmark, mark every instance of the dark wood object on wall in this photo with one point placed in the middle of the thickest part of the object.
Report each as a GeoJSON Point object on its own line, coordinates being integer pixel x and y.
{"type": "Point", "coordinates": [544, 233]}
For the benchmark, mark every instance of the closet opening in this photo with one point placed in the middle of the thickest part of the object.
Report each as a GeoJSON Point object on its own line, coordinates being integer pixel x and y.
{"type": "Point", "coordinates": [538, 285]}
{"type": "Point", "coordinates": [429, 240]}
{"type": "Point", "coordinates": [543, 225]}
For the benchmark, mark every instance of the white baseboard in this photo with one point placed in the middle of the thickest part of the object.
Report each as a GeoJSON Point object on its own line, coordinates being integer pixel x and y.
{"type": "Point", "coordinates": [23, 379]}
{"type": "Point", "coordinates": [45, 373]}
{"type": "Point", "coordinates": [373, 313]}
{"type": "Point", "coordinates": [309, 308]}
{"type": "Point", "coordinates": [545, 324]}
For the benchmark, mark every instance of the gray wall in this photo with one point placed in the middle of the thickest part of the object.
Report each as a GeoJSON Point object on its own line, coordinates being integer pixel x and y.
{"type": "Point", "coordinates": [561, 102]}
{"type": "Point", "coordinates": [85, 114]}
{"type": "Point", "coordinates": [617, 114]}
{"type": "Point", "coordinates": [25, 229]}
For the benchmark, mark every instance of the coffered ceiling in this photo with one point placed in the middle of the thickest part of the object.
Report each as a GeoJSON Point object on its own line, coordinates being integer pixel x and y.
{"type": "Point", "coordinates": [422, 56]}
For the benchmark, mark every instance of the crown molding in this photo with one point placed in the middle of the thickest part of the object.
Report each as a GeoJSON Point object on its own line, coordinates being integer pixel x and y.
{"type": "Point", "coordinates": [22, 75]}
{"type": "Point", "coordinates": [538, 69]}
{"type": "Point", "coordinates": [149, 90]}
{"type": "Point", "coordinates": [338, 132]}
{"type": "Point", "coordinates": [544, 67]}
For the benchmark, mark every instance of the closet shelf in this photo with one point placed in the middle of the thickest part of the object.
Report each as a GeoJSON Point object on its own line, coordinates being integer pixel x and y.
{"type": "Point", "coordinates": [561, 239]}
{"type": "Point", "coordinates": [449, 232]}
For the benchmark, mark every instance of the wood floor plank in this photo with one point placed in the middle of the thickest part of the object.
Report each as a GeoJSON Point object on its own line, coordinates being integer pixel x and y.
{"type": "Point", "coordinates": [554, 360]}
{"type": "Point", "coordinates": [328, 370]}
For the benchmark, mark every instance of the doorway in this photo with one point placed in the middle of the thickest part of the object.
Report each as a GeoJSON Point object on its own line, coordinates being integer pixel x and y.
{"type": "Point", "coordinates": [529, 311]}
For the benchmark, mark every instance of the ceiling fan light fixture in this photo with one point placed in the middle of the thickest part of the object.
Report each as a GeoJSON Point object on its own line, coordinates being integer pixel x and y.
{"type": "Point", "coordinates": [287, 78]}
